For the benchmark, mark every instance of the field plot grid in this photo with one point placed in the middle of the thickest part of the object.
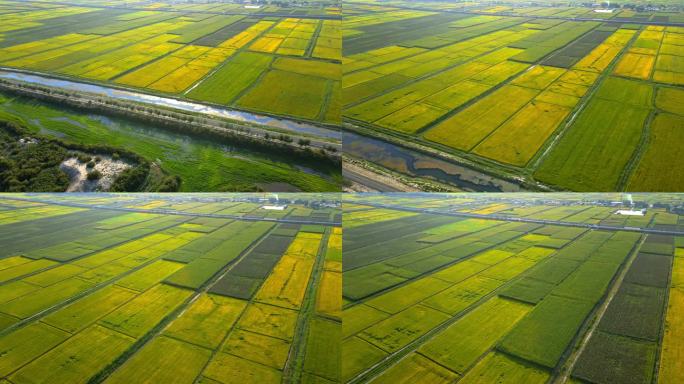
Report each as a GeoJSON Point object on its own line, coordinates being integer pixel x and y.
{"type": "Point", "coordinates": [512, 288]}
{"type": "Point", "coordinates": [170, 288]}
{"type": "Point", "coordinates": [269, 60]}
{"type": "Point", "coordinates": [551, 97]}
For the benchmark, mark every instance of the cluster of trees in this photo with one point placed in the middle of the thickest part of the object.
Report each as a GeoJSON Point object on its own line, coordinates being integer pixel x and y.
{"type": "Point", "coordinates": [31, 165]}
{"type": "Point", "coordinates": [30, 162]}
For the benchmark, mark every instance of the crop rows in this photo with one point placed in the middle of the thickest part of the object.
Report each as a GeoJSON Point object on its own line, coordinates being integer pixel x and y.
{"type": "Point", "coordinates": [191, 55]}
{"type": "Point", "coordinates": [512, 301]}
{"type": "Point", "coordinates": [575, 105]}
{"type": "Point", "coordinates": [205, 298]}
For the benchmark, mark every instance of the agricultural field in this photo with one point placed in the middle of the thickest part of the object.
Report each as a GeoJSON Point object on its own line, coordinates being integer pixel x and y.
{"type": "Point", "coordinates": [513, 288]}
{"type": "Point", "coordinates": [265, 59]}
{"type": "Point", "coordinates": [182, 288]}
{"type": "Point", "coordinates": [535, 95]}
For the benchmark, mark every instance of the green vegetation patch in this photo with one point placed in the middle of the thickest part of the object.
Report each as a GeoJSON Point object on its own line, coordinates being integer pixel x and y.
{"type": "Point", "coordinates": [287, 93]}
{"type": "Point", "coordinates": [236, 75]}
{"type": "Point", "coordinates": [357, 355]}
{"type": "Point", "coordinates": [545, 334]}
{"type": "Point", "coordinates": [650, 270]}
{"type": "Point", "coordinates": [78, 359]}
{"type": "Point", "coordinates": [461, 344]}
{"type": "Point", "coordinates": [323, 349]}
{"type": "Point", "coordinates": [593, 153]}
{"type": "Point", "coordinates": [497, 367]}
{"type": "Point", "coordinates": [588, 282]}
{"type": "Point", "coordinates": [174, 360]}
{"type": "Point", "coordinates": [528, 290]}
{"type": "Point", "coordinates": [416, 368]}
{"type": "Point", "coordinates": [141, 314]}
{"type": "Point", "coordinates": [616, 359]}
{"type": "Point", "coordinates": [25, 344]}
{"type": "Point", "coordinates": [635, 311]}
{"type": "Point", "coordinates": [398, 330]}
{"type": "Point", "coordinates": [654, 171]}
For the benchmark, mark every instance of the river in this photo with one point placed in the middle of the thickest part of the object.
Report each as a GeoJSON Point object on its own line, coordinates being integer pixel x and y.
{"type": "Point", "coordinates": [415, 164]}
{"type": "Point", "coordinates": [169, 102]}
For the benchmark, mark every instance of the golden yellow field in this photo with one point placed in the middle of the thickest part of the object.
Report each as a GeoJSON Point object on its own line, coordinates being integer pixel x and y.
{"type": "Point", "coordinates": [287, 283]}
{"type": "Point", "coordinates": [672, 354]}
{"type": "Point", "coordinates": [329, 299]}
{"type": "Point", "coordinates": [635, 65]}
{"type": "Point", "coordinates": [518, 139]}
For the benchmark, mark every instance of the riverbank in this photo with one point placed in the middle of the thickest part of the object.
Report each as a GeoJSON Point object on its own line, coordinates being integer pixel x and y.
{"type": "Point", "coordinates": [204, 164]}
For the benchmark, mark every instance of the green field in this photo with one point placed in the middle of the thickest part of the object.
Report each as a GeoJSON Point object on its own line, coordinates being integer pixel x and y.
{"type": "Point", "coordinates": [506, 299]}
{"type": "Point", "coordinates": [107, 288]}
{"type": "Point", "coordinates": [543, 93]}
{"type": "Point", "coordinates": [184, 50]}
{"type": "Point", "coordinates": [167, 97]}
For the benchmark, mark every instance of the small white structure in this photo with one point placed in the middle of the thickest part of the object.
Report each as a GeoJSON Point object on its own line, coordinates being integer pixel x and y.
{"type": "Point", "coordinates": [603, 10]}
{"type": "Point", "coordinates": [631, 212]}
{"type": "Point", "coordinates": [274, 207]}
{"type": "Point", "coordinates": [252, 6]}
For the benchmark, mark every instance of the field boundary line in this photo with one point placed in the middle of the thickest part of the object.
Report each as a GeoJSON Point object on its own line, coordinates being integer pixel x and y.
{"type": "Point", "coordinates": [534, 16]}
{"type": "Point", "coordinates": [393, 358]}
{"type": "Point", "coordinates": [167, 320]}
{"type": "Point", "coordinates": [294, 366]}
{"type": "Point", "coordinates": [179, 213]}
{"type": "Point", "coordinates": [565, 127]}
{"type": "Point", "coordinates": [94, 288]}
{"type": "Point", "coordinates": [528, 220]}
{"type": "Point", "coordinates": [563, 370]}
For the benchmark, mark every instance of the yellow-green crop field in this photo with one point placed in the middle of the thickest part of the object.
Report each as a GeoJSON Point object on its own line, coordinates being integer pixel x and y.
{"type": "Point", "coordinates": [262, 60]}
{"type": "Point", "coordinates": [523, 92]}
{"type": "Point", "coordinates": [475, 289]}
{"type": "Point", "coordinates": [170, 288]}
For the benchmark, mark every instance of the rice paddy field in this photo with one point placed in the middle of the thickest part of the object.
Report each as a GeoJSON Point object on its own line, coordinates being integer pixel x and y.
{"type": "Point", "coordinates": [513, 288]}
{"type": "Point", "coordinates": [537, 94]}
{"type": "Point", "coordinates": [268, 59]}
{"type": "Point", "coordinates": [170, 288]}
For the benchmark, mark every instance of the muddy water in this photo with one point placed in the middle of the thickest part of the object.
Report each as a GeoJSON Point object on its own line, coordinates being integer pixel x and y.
{"type": "Point", "coordinates": [415, 164]}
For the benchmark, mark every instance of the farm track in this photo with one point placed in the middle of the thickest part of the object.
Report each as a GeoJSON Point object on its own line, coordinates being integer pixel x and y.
{"type": "Point", "coordinates": [177, 213]}
{"type": "Point", "coordinates": [566, 366]}
{"type": "Point", "coordinates": [294, 367]}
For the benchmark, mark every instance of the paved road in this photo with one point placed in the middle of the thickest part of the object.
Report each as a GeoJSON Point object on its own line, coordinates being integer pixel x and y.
{"type": "Point", "coordinates": [189, 11]}
{"type": "Point", "coordinates": [525, 220]}
{"type": "Point", "coordinates": [173, 212]}
{"type": "Point", "coordinates": [509, 14]}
